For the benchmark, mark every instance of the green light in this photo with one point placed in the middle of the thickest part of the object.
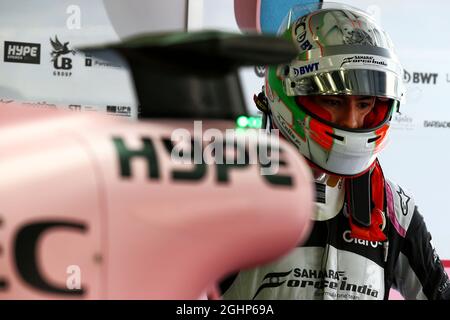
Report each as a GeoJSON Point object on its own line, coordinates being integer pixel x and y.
{"type": "Point", "coordinates": [242, 121]}
{"type": "Point", "coordinates": [254, 122]}
{"type": "Point", "coordinates": [259, 122]}
{"type": "Point", "coordinates": [249, 122]}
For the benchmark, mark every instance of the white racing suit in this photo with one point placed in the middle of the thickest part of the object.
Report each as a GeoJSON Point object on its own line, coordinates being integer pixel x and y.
{"type": "Point", "coordinates": [332, 265]}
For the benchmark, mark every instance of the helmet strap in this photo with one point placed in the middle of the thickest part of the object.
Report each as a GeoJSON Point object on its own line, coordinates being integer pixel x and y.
{"type": "Point", "coordinates": [263, 105]}
{"type": "Point", "coordinates": [261, 102]}
{"type": "Point", "coordinates": [365, 204]}
{"type": "Point", "coordinates": [359, 199]}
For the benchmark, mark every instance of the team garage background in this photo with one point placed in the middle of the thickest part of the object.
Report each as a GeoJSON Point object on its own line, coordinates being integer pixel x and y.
{"type": "Point", "coordinates": [41, 67]}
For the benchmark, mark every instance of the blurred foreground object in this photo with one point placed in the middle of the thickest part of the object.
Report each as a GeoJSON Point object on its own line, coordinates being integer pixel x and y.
{"type": "Point", "coordinates": [93, 207]}
{"type": "Point", "coordinates": [103, 195]}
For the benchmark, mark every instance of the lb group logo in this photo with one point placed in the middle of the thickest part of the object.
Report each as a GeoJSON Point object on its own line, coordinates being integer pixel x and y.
{"type": "Point", "coordinates": [22, 52]}
{"type": "Point", "coordinates": [61, 57]}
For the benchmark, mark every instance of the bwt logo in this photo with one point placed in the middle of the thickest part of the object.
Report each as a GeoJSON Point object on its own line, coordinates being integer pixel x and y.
{"type": "Point", "coordinates": [420, 77]}
{"type": "Point", "coordinates": [305, 69]}
{"type": "Point", "coordinates": [22, 52]}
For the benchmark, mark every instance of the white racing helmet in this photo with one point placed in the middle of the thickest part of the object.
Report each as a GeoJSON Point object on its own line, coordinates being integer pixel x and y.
{"type": "Point", "coordinates": [342, 51]}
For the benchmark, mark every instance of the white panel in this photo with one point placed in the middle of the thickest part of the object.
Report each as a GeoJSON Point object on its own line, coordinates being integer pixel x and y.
{"type": "Point", "coordinates": [86, 84]}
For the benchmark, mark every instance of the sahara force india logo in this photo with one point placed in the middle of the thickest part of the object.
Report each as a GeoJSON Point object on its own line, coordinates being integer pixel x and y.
{"type": "Point", "coordinates": [317, 279]}
{"type": "Point", "coordinates": [363, 60]}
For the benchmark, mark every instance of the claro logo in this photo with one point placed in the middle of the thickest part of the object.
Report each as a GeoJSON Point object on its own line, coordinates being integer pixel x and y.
{"type": "Point", "coordinates": [347, 238]}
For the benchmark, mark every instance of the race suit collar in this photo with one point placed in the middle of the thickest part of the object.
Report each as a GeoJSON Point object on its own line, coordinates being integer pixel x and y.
{"type": "Point", "coordinates": [330, 195]}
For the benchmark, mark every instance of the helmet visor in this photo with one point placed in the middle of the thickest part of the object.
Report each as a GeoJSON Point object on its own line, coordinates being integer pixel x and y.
{"type": "Point", "coordinates": [368, 113]}
{"type": "Point", "coordinates": [364, 82]}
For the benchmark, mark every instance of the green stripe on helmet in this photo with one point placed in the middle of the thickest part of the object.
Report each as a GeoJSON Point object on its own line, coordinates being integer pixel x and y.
{"type": "Point", "coordinates": [298, 114]}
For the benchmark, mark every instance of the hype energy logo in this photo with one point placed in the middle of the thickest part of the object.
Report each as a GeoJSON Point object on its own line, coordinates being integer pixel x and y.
{"type": "Point", "coordinates": [334, 283]}
{"type": "Point", "coordinates": [22, 52]}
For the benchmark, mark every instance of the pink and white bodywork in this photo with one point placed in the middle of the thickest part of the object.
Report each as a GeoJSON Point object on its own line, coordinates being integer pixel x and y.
{"type": "Point", "coordinates": [93, 207]}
